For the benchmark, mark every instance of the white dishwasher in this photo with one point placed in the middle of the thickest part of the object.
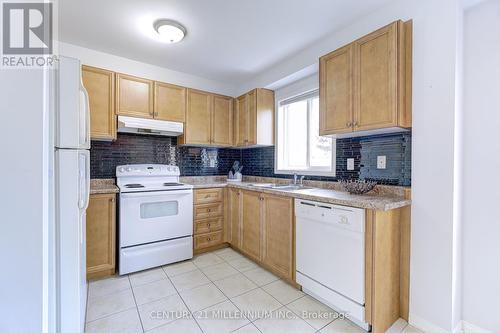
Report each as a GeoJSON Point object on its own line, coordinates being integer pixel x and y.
{"type": "Point", "coordinates": [330, 256]}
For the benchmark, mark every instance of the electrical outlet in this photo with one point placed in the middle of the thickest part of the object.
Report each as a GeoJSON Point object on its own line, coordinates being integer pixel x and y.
{"type": "Point", "coordinates": [350, 164]}
{"type": "Point", "coordinates": [381, 162]}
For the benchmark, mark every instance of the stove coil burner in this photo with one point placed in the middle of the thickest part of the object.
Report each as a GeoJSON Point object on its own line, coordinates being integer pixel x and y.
{"type": "Point", "coordinates": [134, 186]}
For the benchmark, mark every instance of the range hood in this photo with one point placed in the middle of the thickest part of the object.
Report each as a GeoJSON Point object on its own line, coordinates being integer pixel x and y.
{"type": "Point", "coordinates": [149, 126]}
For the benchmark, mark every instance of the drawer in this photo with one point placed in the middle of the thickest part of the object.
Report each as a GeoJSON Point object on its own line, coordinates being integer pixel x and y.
{"type": "Point", "coordinates": [208, 210]}
{"type": "Point", "coordinates": [208, 225]}
{"type": "Point", "coordinates": [207, 240]}
{"type": "Point", "coordinates": [208, 195]}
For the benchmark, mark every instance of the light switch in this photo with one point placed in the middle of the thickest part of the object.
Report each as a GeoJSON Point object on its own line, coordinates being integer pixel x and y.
{"type": "Point", "coordinates": [350, 164]}
{"type": "Point", "coordinates": [381, 161]}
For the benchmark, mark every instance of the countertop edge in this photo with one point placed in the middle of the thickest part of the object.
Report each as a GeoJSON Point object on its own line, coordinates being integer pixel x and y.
{"type": "Point", "coordinates": [343, 202]}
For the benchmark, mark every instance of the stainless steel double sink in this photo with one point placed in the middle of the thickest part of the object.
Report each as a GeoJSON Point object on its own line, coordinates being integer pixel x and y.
{"type": "Point", "coordinates": [281, 187]}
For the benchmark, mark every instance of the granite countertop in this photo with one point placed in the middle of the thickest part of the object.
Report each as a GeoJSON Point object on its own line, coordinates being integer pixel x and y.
{"type": "Point", "coordinates": [103, 186]}
{"type": "Point", "coordinates": [374, 201]}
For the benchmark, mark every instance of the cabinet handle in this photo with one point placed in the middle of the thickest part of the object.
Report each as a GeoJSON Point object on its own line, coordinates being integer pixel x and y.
{"type": "Point", "coordinates": [355, 124]}
{"type": "Point", "coordinates": [113, 200]}
{"type": "Point", "coordinates": [208, 225]}
{"type": "Point", "coordinates": [348, 124]}
{"type": "Point", "coordinates": [209, 210]}
{"type": "Point", "coordinates": [208, 239]}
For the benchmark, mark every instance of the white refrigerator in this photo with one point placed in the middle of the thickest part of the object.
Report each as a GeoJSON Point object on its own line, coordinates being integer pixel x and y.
{"type": "Point", "coordinates": [72, 187]}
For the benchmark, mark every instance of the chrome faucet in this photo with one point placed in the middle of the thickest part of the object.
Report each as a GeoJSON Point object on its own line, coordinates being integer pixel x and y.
{"type": "Point", "coordinates": [296, 178]}
{"type": "Point", "coordinates": [301, 180]}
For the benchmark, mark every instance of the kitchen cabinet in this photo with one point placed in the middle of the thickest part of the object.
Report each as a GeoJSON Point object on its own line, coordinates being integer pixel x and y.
{"type": "Point", "coordinates": [254, 120]}
{"type": "Point", "coordinates": [209, 119]}
{"type": "Point", "coordinates": [251, 224]}
{"type": "Point", "coordinates": [208, 219]}
{"type": "Point", "coordinates": [234, 202]}
{"type": "Point", "coordinates": [199, 110]}
{"type": "Point", "coordinates": [262, 228]}
{"type": "Point", "coordinates": [169, 102]}
{"type": "Point", "coordinates": [100, 86]}
{"type": "Point", "coordinates": [222, 121]}
{"type": "Point", "coordinates": [278, 234]}
{"type": "Point", "coordinates": [366, 85]}
{"type": "Point", "coordinates": [101, 235]}
{"type": "Point", "coordinates": [134, 96]}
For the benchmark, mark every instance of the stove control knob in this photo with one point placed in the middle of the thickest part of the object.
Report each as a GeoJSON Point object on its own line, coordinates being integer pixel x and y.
{"type": "Point", "coordinates": [121, 169]}
{"type": "Point", "coordinates": [169, 168]}
{"type": "Point", "coordinates": [129, 169]}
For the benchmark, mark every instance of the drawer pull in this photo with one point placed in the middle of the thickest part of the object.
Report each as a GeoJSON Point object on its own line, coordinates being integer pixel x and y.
{"type": "Point", "coordinates": [208, 239]}
{"type": "Point", "coordinates": [208, 225]}
{"type": "Point", "coordinates": [209, 210]}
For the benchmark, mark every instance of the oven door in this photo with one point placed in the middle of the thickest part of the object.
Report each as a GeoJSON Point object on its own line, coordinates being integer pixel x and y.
{"type": "Point", "coordinates": [147, 217]}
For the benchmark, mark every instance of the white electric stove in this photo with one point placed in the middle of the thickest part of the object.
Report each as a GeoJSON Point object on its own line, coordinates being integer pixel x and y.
{"type": "Point", "coordinates": [155, 217]}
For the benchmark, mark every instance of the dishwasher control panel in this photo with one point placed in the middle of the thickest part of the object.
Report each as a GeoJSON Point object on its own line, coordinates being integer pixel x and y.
{"type": "Point", "coordinates": [337, 216]}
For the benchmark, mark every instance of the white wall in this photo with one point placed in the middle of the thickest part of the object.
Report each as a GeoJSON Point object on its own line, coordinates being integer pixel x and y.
{"type": "Point", "coordinates": [481, 224]}
{"type": "Point", "coordinates": [435, 31]}
{"type": "Point", "coordinates": [137, 68]}
{"type": "Point", "coordinates": [23, 202]}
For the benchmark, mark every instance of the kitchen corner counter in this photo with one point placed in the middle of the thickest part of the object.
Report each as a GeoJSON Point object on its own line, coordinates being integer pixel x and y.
{"type": "Point", "coordinates": [103, 186]}
{"type": "Point", "coordinates": [367, 201]}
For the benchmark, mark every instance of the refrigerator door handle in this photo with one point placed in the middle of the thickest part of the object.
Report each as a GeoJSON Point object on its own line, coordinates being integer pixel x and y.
{"type": "Point", "coordinates": [84, 181]}
{"type": "Point", "coordinates": [85, 118]}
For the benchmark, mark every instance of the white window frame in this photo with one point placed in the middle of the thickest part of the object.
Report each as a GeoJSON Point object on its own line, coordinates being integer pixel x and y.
{"type": "Point", "coordinates": [310, 171]}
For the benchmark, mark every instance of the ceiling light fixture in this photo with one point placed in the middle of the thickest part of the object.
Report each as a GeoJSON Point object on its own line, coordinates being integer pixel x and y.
{"type": "Point", "coordinates": [169, 31]}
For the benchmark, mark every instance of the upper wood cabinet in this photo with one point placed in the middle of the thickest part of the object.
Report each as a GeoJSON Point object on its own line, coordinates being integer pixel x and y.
{"type": "Point", "coordinates": [169, 102]}
{"type": "Point", "coordinates": [336, 96]}
{"type": "Point", "coordinates": [134, 96]}
{"type": "Point", "coordinates": [222, 121]}
{"type": "Point", "coordinates": [209, 119]}
{"type": "Point", "coordinates": [198, 115]}
{"type": "Point", "coordinates": [251, 229]}
{"type": "Point", "coordinates": [277, 216]}
{"type": "Point", "coordinates": [100, 85]}
{"type": "Point", "coordinates": [365, 85]}
{"type": "Point", "coordinates": [254, 121]}
{"type": "Point", "coordinates": [101, 235]}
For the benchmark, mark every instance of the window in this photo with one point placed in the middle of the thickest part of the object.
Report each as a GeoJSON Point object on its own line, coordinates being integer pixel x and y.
{"type": "Point", "coordinates": [300, 149]}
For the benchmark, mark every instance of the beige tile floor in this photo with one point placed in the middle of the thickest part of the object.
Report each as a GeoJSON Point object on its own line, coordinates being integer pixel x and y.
{"type": "Point", "coordinates": [217, 292]}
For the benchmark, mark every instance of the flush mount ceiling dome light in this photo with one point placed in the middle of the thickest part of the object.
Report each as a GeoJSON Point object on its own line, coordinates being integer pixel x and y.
{"type": "Point", "coordinates": [170, 31]}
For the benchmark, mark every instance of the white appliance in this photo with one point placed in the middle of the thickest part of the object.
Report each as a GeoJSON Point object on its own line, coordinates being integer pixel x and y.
{"type": "Point", "coordinates": [155, 217]}
{"type": "Point", "coordinates": [72, 187]}
{"type": "Point", "coordinates": [149, 126]}
{"type": "Point", "coordinates": [330, 251]}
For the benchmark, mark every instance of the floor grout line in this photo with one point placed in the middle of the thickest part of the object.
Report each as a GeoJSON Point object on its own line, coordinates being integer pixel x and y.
{"type": "Point", "coordinates": [135, 301]}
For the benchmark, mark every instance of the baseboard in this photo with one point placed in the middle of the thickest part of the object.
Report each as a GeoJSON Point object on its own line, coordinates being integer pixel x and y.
{"type": "Point", "coordinates": [470, 328]}
{"type": "Point", "coordinates": [424, 325]}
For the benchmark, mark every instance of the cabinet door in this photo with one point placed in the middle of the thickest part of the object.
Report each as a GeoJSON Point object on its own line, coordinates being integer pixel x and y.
{"type": "Point", "coordinates": [101, 239]}
{"type": "Point", "coordinates": [198, 117]}
{"type": "Point", "coordinates": [170, 102]}
{"type": "Point", "coordinates": [234, 216]}
{"type": "Point", "coordinates": [134, 96]}
{"type": "Point", "coordinates": [241, 121]}
{"type": "Point", "coordinates": [222, 120]}
{"type": "Point", "coordinates": [336, 91]}
{"type": "Point", "coordinates": [100, 85]}
{"type": "Point", "coordinates": [251, 224]}
{"type": "Point", "coordinates": [376, 79]}
{"type": "Point", "coordinates": [277, 237]}
{"type": "Point", "coordinates": [251, 138]}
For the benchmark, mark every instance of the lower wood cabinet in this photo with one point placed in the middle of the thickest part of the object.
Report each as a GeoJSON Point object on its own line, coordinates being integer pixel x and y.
{"type": "Point", "coordinates": [251, 224]}
{"type": "Point", "coordinates": [234, 202]}
{"type": "Point", "coordinates": [278, 234]}
{"type": "Point", "coordinates": [262, 228]}
{"type": "Point", "coordinates": [208, 215]}
{"type": "Point", "coordinates": [101, 235]}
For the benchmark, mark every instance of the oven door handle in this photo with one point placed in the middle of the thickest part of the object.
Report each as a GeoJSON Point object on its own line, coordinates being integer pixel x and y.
{"type": "Point", "coordinates": [155, 193]}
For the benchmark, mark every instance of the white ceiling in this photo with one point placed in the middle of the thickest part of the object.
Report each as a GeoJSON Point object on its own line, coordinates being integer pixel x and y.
{"type": "Point", "coordinates": [229, 41]}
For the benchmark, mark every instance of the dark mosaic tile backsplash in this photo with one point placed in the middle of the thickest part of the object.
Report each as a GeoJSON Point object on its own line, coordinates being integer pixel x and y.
{"type": "Point", "coordinates": [195, 161]}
